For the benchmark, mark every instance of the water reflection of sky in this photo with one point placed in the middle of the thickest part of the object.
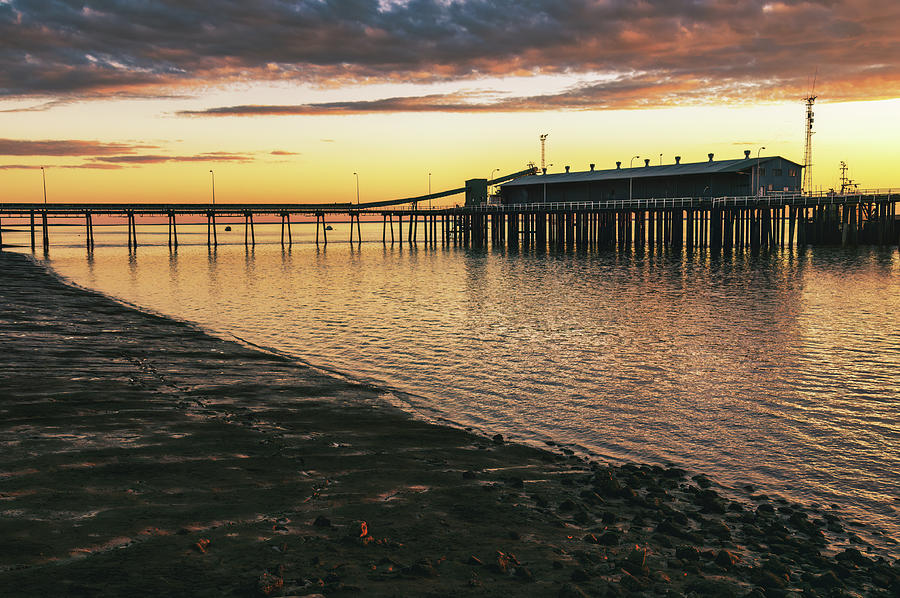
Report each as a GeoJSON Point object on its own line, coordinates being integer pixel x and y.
{"type": "Point", "coordinates": [781, 370]}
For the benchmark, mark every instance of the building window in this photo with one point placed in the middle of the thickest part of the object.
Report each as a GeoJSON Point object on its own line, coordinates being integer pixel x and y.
{"type": "Point", "coordinates": [762, 171]}
{"type": "Point", "coordinates": [777, 172]}
{"type": "Point", "coordinates": [792, 172]}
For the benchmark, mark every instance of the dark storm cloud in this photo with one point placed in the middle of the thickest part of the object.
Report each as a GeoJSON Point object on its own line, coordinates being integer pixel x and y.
{"type": "Point", "coordinates": [759, 48]}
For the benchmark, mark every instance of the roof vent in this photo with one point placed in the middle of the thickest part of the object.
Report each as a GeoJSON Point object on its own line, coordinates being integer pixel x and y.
{"type": "Point", "coordinates": [710, 156]}
{"type": "Point", "coordinates": [618, 165]}
{"type": "Point", "coordinates": [746, 154]}
{"type": "Point", "coordinates": [646, 162]}
{"type": "Point", "coordinates": [677, 159]}
{"type": "Point", "coordinates": [592, 166]}
{"type": "Point", "coordinates": [567, 169]}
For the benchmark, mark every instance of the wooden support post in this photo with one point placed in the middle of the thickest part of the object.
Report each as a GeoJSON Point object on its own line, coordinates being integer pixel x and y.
{"type": "Point", "coordinates": [89, 222]}
{"type": "Point", "coordinates": [31, 215]}
{"type": "Point", "coordinates": [46, 230]}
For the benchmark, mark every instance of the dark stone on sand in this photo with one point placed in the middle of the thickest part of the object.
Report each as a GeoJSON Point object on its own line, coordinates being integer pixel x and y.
{"type": "Point", "coordinates": [322, 521]}
{"type": "Point", "coordinates": [854, 556]}
{"type": "Point", "coordinates": [609, 539]}
{"type": "Point", "coordinates": [516, 482]}
{"type": "Point", "coordinates": [765, 508]}
{"type": "Point", "coordinates": [827, 580]}
{"type": "Point", "coordinates": [726, 559]}
{"type": "Point", "coordinates": [768, 580]}
{"type": "Point", "coordinates": [702, 480]}
{"type": "Point", "coordinates": [497, 438]}
{"type": "Point", "coordinates": [631, 583]}
{"type": "Point", "coordinates": [687, 553]}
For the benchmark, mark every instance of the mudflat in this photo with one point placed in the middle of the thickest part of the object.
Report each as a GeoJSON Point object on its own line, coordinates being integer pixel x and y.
{"type": "Point", "coordinates": [142, 456]}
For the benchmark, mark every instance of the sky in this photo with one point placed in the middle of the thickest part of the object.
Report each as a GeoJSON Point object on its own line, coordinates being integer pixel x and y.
{"type": "Point", "coordinates": [137, 100]}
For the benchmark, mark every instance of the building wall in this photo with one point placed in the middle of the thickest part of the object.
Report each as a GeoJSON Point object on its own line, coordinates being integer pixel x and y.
{"type": "Point", "coordinates": [775, 174]}
{"type": "Point", "coordinates": [778, 174]}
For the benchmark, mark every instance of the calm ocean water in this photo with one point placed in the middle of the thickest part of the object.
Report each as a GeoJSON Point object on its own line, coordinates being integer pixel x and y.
{"type": "Point", "coordinates": [780, 370]}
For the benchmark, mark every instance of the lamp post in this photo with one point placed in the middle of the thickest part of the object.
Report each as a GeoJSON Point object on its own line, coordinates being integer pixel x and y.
{"type": "Point", "coordinates": [631, 175]}
{"type": "Point", "coordinates": [756, 191]}
{"type": "Point", "coordinates": [357, 187]}
{"type": "Point", "coordinates": [660, 159]}
{"type": "Point", "coordinates": [213, 179]}
{"type": "Point", "coordinates": [429, 190]}
{"type": "Point", "coordinates": [44, 179]}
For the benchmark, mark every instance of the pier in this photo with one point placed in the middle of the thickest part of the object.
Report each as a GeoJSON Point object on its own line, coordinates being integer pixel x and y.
{"type": "Point", "coordinates": [772, 220]}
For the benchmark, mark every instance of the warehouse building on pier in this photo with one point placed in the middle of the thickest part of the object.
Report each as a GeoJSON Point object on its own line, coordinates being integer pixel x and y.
{"type": "Point", "coordinates": [713, 178]}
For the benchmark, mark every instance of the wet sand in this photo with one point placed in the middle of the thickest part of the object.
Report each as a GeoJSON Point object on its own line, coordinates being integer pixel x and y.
{"type": "Point", "coordinates": [144, 457]}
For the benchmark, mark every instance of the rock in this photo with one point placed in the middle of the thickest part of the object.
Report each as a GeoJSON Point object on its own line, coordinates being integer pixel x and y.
{"type": "Point", "coordinates": [827, 580]}
{"type": "Point", "coordinates": [765, 508]}
{"type": "Point", "coordinates": [854, 556]}
{"type": "Point", "coordinates": [505, 562]}
{"type": "Point", "coordinates": [775, 565]}
{"type": "Point", "coordinates": [609, 539]}
{"type": "Point", "coordinates": [768, 580]}
{"type": "Point", "coordinates": [268, 584]}
{"type": "Point", "coordinates": [631, 583]}
{"type": "Point", "coordinates": [322, 521]}
{"type": "Point", "coordinates": [497, 438]}
{"type": "Point", "coordinates": [702, 481]}
{"type": "Point", "coordinates": [726, 559]}
{"type": "Point", "coordinates": [687, 553]}
{"type": "Point", "coordinates": [201, 545]}
{"type": "Point", "coordinates": [636, 562]}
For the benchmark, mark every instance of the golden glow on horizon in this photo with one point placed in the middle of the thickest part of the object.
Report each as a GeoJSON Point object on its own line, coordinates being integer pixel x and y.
{"type": "Point", "coordinates": [393, 152]}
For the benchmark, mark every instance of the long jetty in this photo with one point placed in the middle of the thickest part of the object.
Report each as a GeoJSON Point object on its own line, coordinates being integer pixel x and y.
{"type": "Point", "coordinates": [773, 220]}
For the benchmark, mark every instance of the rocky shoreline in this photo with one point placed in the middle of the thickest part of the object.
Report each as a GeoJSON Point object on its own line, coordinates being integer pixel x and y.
{"type": "Point", "coordinates": [143, 457]}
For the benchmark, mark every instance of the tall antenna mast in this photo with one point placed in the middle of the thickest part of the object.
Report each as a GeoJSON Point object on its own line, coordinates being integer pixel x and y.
{"type": "Point", "coordinates": [807, 153]}
{"type": "Point", "coordinates": [544, 152]}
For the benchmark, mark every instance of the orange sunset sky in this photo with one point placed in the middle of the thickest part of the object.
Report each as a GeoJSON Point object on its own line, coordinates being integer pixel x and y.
{"type": "Point", "coordinates": [127, 100]}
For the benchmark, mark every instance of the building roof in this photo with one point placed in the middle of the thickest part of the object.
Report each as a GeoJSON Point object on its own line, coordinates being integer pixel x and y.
{"type": "Point", "coordinates": [666, 170]}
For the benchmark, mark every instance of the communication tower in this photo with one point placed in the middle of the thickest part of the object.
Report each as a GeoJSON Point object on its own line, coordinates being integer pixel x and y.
{"type": "Point", "coordinates": [846, 183]}
{"type": "Point", "coordinates": [807, 153]}
{"type": "Point", "coordinates": [543, 152]}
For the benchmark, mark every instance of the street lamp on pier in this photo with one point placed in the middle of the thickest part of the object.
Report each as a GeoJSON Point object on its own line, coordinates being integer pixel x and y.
{"type": "Point", "coordinates": [213, 178]}
{"type": "Point", "coordinates": [631, 176]}
{"type": "Point", "coordinates": [357, 188]}
{"type": "Point", "coordinates": [756, 191]}
{"type": "Point", "coordinates": [44, 179]}
{"type": "Point", "coordinates": [429, 190]}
